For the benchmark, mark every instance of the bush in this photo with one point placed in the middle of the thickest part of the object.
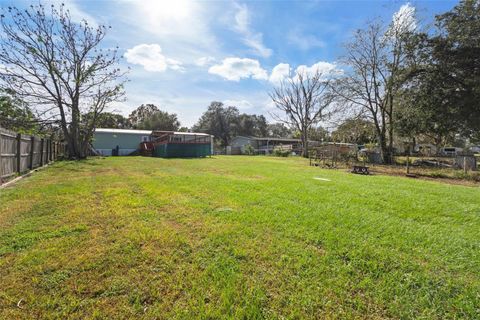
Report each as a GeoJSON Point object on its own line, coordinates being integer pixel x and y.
{"type": "Point", "coordinates": [248, 149]}
{"type": "Point", "coordinates": [278, 152]}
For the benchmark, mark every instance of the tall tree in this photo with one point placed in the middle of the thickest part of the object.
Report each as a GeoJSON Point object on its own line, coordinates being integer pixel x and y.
{"type": "Point", "coordinates": [355, 130]}
{"type": "Point", "coordinates": [278, 130]}
{"type": "Point", "coordinates": [375, 58]}
{"type": "Point", "coordinates": [318, 134]}
{"type": "Point", "coordinates": [57, 66]}
{"type": "Point", "coordinates": [251, 125]}
{"type": "Point", "coordinates": [15, 115]}
{"type": "Point", "coordinates": [456, 59]}
{"type": "Point", "coordinates": [441, 97]}
{"type": "Point", "coordinates": [303, 101]}
{"type": "Point", "coordinates": [219, 121]}
{"type": "Point", "coordinates": [142, 113]}
{"type": "Point", "coordinates": [160, 120]}
{"type": "Point", "coordinates": [109, 120]}
{"type": "Point", "coordinates": [447, 87]}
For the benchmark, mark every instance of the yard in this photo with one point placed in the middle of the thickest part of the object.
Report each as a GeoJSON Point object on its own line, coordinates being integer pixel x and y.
{"type": "Point", "coordinates": [235, 237]}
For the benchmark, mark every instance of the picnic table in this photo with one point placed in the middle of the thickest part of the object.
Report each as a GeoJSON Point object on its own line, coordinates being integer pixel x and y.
{"type": "Point", "coordinates": [360, 170]}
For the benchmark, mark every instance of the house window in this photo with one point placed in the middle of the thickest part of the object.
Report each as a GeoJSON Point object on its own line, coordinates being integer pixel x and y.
{"type": "Point", "coordinates": [145, 138]}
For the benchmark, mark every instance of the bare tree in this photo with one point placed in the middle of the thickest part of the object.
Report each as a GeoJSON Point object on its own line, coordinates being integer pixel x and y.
{"type": "Point", "coordinates": [303, 101]}
{"type": "Point", "coordinates": [56, 65]}
{"type": "Point", "coordinates": [375, 59]}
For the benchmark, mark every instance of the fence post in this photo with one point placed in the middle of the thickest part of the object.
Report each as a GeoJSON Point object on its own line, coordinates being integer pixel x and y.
{"type": "Point", "coordinates": [41, 152]}
{"type": "Point", "coordinates": [19, 152]}
{"type": "Point", "coordinates": [32, 148]}
{"type": "Point", "coordinates": [48, 151]}
{"type": "Point", "coordinates": [51, 148]}
{"type": "Point", "coordinates": [408, 163]}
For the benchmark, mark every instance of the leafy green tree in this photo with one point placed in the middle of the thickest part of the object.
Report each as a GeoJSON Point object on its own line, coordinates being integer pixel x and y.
{"type": "Point", "coordinates": [251, 125]}
{"type": "Point", "coordinates": [150, 117]}
{"type": "Point", "coordinates": [455, 61]}
{"type": "Point", "coordinates": [110, 120]}
{"type": "Point", "coordinates": [278, 130]}
{"type": "Point", "coordinates": [219, 121]}
{"type": "Point", "coordinates": [355, 130]}
{"type": "Point", "coordinates": [15, 115]}
{"type": "Point", "coordinates": [420, 113]}
{"type": "Point", "coordinates": [160, 120]}
{"type": "Point", "coordinates": [142, 113]}
{"type": "Point", "coordinates": [318, 134]}
{"type": "Point", "coordinates": [441, 95]}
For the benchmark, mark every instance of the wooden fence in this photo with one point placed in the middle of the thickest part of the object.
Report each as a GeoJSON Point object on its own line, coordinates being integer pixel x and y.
{"type": "Point", "coordinates": [21, 153]}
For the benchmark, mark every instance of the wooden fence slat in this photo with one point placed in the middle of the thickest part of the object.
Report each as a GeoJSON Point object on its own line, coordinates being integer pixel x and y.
{"type": "Point", "coordinates": [19, 153]}
{"type": "Point", "coordinates": [32, 149]}
{"type": "Point", "coordinates": [41, 152]}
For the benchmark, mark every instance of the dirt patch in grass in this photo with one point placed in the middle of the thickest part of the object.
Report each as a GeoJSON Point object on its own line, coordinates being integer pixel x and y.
{"type": "Point", "coordinates": [449, 176]}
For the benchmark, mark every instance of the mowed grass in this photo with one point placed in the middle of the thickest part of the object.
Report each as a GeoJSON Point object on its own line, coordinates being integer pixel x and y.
{"type": "Point", "coordinates": [235, 237]}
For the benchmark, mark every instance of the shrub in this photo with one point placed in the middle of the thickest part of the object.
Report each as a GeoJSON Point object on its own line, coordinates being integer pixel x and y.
{"type": "Point", "coordinates": [248, 149]}
{"type": "Point", "coordinates": [278, 152]}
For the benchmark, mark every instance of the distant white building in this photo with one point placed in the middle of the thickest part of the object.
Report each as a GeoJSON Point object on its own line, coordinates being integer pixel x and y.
{"type": "Point", "coordinates": [475, 149]}
{"type": "Point", "coordinates": [263, 145]}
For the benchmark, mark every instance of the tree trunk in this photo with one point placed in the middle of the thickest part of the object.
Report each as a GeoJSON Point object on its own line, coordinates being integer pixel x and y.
{"type": "Point", "coordinates": [384, 153]}
{"type": "Point", "coordinates": [305, 143]}
{"type": "Point", "coordinates": [390, 143]}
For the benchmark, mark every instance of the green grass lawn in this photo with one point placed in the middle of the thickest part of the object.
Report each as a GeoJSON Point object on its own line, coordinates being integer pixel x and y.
{"type": "Point", "coordinates": [235, 237]}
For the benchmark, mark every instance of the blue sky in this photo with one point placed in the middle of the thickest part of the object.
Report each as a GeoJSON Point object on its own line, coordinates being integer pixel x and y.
{"type": "Point", "coordinates": [184, 54]}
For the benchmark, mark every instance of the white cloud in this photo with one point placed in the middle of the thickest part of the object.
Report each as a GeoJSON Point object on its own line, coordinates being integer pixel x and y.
{"type": "Point", "coordinates": [283, 71]}
{"type": "Point", "coordinates": [404, 19]}
{"type": "Point", "coordinates": [279, 73]}
{"type": "Point", "coordinates": [235, 69]}
{"type": "Point", "coordinates": [252, 39]}
{"type": "Point", "coordinates": [182, 26]}
{"type": "Point", "coordinates": [323, 67]}
{"type": "Point", "coordinates": [204, 61]}
{"type": "Point", "coordinates": [151, 58]}
{"type": "Point", "coordinates": [304, 41]}
{"type": "Point", "coordinates": [242, 19]}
